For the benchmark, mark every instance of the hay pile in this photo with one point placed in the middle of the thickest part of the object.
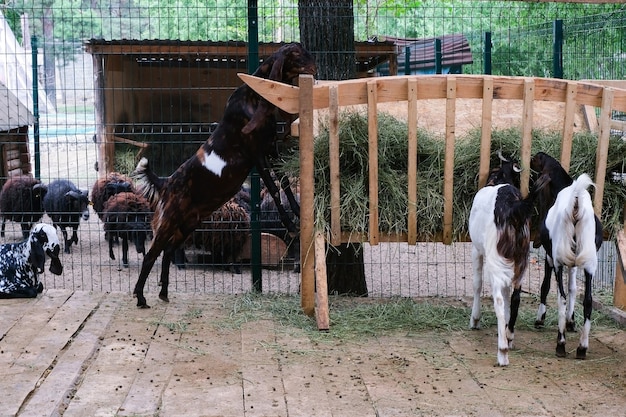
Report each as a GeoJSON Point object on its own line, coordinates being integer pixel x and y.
{"type": "Point", "coordinates": [393, 180]}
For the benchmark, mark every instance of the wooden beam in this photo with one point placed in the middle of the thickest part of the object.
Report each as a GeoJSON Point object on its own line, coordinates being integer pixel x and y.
{"type": "Point", "coordinates": [448, 166]}
{"type": "Point", "coordinates": [372, 133]}
{"type": "Point", "coordinates": [307, 186]}
{"type": "Point", "coordinates": [412, 163]}
{"type": "Point", "coordinates": [527, 130]}
{"type": "Point", "coordinates": [322, 315]}
{"type": "Point", "coordinates": [568, 125]}
{"type": "Point", "coordinates": [335, 174]}
{"type": "Point", "coordinates": [485, 132]}
{"type": "Point", "coordinates": [603, 148]}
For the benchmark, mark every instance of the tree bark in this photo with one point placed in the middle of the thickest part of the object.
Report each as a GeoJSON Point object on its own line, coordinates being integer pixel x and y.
{"type": "Point", "coordinates": [327, 30]}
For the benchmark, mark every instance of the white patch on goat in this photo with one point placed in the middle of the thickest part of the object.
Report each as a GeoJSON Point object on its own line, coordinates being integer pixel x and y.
{"type": "Point", "coordinates": [214, 163]}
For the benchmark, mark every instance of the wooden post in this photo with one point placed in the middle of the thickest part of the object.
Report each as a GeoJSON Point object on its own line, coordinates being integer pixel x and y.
{"type": "Point", "coordinates": [448, 166]}
{"type": "Point", "coordinates": [335, 175]}
{"type": "Point", "coordinates": [568, 125]}
{"type": "Point", "coordinates": [603, 147]}
{"type": "Point", "coordinates": [307, 195]}
{"type": "Point", "coordinates": [412, 162]}
{"type": "Point", "coordinates": [527, 132]}
{"type": "Point", "coordinates": [485, 132]}
{"type": "Point", "coordinates": [372, 133]}
{"type": "Point", "coordinates": [322, 316]}
{"type": "Point", "coordinates": [619, 293]}
{"type": "Point", "coordinates": [99, 105]}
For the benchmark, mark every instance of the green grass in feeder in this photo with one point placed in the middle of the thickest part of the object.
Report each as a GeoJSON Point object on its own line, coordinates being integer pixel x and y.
{"type": "Point", "coordinates": [393, 177]}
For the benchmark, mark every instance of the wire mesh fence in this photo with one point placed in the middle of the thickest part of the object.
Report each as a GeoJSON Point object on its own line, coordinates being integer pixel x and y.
{"type": "Point", "coordinates": [157, 93]}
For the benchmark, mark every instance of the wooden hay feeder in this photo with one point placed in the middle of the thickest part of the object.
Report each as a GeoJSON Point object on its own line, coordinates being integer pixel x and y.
{"type": "Point", "coordinates": [332, 95]}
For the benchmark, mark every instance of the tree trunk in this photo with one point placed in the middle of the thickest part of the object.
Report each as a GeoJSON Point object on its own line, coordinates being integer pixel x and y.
{"type": "Point", "coordinates": [327, 30]}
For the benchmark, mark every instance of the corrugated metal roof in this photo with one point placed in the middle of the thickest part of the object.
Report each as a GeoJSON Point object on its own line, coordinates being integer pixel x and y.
{"type": "Point", "coordinates": [13, 113]}
{"type": "Point", "coordinates": [455, 50]}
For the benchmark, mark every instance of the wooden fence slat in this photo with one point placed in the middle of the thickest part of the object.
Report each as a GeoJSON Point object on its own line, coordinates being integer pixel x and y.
{"type": "Point", "coordinates": [448, 167]}
{"type": "Point", "coordinates": [372, 132]}
{"type": "Point", "coordinates": [307, 187]}
{"type": "Point", "coordinates": [603, 147]}
{"type": "Point", "coordinates": [321, 283]}
{"type": "Point", "coordinates": [527, 130]}
{"type": "Point", "coordinates": [485, 132]}
{"type": "Point", "coordinates": [335, 175]}
{"type": "Point", "coordinates": [412, 162]}
{"type": "Point", "coordinates": [568, 125]}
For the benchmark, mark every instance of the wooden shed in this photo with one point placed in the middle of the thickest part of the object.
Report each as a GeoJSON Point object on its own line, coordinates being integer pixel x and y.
{"type": "Point", "coordinates": [164, 97]}
{"type": "Point", "coordinates": [14, 121]}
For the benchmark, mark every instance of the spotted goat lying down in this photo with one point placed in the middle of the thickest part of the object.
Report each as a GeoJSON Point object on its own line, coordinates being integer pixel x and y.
{"type": "Point", "coordinates": [243, 139]}
{"type": "Point", "coordinates": [20, 263]}
{"type": "Point", "coordinates": [499, 226]}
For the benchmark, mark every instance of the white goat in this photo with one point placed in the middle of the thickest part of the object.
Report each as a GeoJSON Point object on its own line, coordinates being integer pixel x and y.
{"type": "Point", "coordinates": [571, 235]}
{"type": "Point", "coordinates": [500, 232]}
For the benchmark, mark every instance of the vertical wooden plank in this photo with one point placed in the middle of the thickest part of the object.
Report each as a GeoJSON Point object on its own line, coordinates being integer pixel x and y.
{"type": "Point", "coordinates": [485, 131]}
{"type": "Point", "coordinates": [527, 131]}
{"type": "Point", "coordinates": [448, 167]}
{"type": "Point", "coordinates": [412, 162]}
{"type": "Point", "coordinates": [568, 125]}
{"type": "Point", "coordinates": [372, 133]}
{"type": "Point", "coordinates": [307, 186]}
{"type": "Point", "coordinates": [99, 105]}
{"type": "Point", "coordinates": [322, 316]}
{"type": "Point", "coordinates": [603, 147]}
{"type": "Point", "coordinates": [335, 175]}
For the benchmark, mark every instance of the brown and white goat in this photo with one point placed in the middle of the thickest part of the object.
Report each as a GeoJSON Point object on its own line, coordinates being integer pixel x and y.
{"type": "Point", "coordinates": [243, 138]}
{"type": "Point", "coordinates": [571, 235]}
{"type": "Point", "coordinates": [499, 227]}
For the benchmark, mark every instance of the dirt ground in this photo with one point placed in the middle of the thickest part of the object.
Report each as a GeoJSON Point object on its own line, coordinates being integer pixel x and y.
{"type": "Point", "coordinates": [79, 353]}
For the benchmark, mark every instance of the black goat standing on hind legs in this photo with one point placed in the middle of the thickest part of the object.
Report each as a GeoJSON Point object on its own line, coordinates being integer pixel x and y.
{"type": "Point", "coordinates": [243, 139]}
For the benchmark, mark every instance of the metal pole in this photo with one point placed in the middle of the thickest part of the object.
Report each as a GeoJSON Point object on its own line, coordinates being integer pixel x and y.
{"type": "Point", "coordinates": [33, 45]}
{"type": "Point", "coordinates": [487, 54]}
{"type": "Point", "coordinates": [438, 56]}
{"type": "Point", "coordinates": [407, 60]}
{"type": "Point", "coordinates": [557, 49]}
{"type": "Point", "coordinates": [255, 178]}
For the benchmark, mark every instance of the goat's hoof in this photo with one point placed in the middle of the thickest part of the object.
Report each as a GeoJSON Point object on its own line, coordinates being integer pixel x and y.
{"type": "Point", "coordinates": [581, 352]}
{"type": "Point", "coordinates": [570, 326]}
{"type": "Point", "coordinates": [539, 324]}
{"type": "Point", "coordinates": [143, 306]}
{"type": "Point", "coordinates": [164, 298]}
{"type": "Point", "coordinates": [560, 351]}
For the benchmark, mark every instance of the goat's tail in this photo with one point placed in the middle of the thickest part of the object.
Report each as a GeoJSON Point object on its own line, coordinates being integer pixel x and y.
{"type": "Point", "coordinates": [150, 184]}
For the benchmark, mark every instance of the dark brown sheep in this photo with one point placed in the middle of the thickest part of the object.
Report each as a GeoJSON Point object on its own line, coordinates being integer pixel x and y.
{"type": "Point", "coordinates": [127, 217]}
{"type": "Point", "coordinates": [21, 201]}
{"type": "Point", "coordinates": [106, 187]}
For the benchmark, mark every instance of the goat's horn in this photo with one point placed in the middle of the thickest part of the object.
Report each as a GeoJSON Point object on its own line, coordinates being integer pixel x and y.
{"type": "Point", "coordinates": [502, 158]}
{"type": "Point", "coordinates": [517, 168]}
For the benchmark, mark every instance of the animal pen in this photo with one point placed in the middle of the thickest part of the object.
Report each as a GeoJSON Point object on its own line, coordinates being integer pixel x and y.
{"type": "Point", "coordinates": [125, 90]}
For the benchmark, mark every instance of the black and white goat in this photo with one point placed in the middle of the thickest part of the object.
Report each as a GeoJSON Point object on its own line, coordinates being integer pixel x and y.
{"type": "Point", "coordinates": [244, 138]}
{"type": "Point", "coordinates": [20, 263]}
{"type": "Point", "coordinates": [499, 227]}
{"type": "Point", "coordinates": [571, 235]}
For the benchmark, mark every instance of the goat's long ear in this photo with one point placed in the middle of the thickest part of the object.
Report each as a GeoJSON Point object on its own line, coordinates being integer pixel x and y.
{"type": "Point", "coordinates": [37, 256]}
{"type": "Point", "coordinates": [276, 73]}
{"type": "Point", "coordinates": [257, 118]}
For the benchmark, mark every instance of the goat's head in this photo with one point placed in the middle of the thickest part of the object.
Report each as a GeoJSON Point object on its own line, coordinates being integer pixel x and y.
{"type": "Point", "coordinates": [78, 202]}
{"type": "Point", "coordinates": [284, 65]}
{"type": "Point", "coordinates": [44, 241]}
{"type": "Point", "coordinates": [507, 173]}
